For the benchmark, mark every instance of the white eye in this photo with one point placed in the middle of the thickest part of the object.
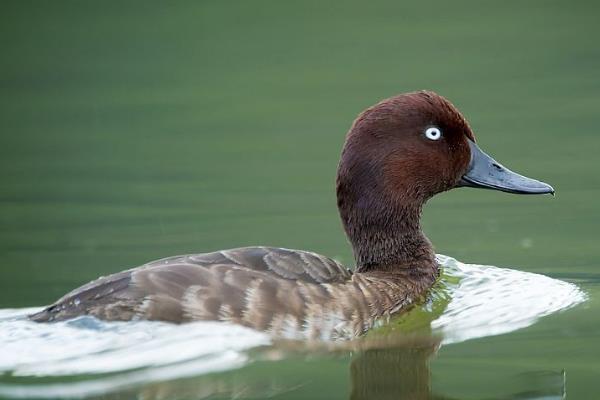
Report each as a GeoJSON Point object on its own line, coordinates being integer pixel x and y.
{"type": "Point", "coordinates": [433, 133]}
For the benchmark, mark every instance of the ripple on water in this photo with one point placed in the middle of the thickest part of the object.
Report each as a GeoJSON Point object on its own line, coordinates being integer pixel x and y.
{"type": "Point", "coordinates": [488, 300]}
{"type": "Point", "coordinates": [476, 300]}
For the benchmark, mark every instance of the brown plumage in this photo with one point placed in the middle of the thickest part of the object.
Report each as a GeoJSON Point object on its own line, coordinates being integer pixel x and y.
{"type": "Point", "coordinates": [289, 293]}
{"type": "Point", "coordinates": [388, 170]}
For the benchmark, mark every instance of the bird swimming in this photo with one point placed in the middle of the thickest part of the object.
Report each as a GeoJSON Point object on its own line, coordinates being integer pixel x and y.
{"type": "Point", "coordinates": [397, 154]}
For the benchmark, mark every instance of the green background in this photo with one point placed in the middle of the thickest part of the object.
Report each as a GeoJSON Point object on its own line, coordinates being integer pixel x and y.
{"type": "Point", "coordinates": [134, 131]}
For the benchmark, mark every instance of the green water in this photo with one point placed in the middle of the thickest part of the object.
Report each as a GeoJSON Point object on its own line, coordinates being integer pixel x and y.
{"type": "Point", "coordinates": [130, 132]}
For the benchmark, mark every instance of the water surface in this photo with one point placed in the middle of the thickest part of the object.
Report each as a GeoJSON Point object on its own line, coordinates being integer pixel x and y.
{"type": "Point", "coordinates": [131, 133]}
{"type": "Point", "coordinates": [86, 357]}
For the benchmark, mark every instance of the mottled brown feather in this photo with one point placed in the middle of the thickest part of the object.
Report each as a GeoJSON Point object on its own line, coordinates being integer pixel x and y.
{"type": "Point", "coordinates": [290, 293]}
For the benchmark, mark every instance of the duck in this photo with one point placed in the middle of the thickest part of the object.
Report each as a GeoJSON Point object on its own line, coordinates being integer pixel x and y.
{"type": "Point", "coordinates": [397, 154]}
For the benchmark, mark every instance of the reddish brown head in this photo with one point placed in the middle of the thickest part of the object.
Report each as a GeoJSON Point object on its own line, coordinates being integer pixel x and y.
{"type": "Point", "coordinates": [414, 145]}
{"type": "Point", "coordinates": [397, 155]}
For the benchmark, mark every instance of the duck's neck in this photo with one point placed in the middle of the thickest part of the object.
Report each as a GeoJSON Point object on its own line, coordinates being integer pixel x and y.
{"type": "Point", "coordinates": [391, 241]}
{"type": "Point", "coordinates": [381, 215]}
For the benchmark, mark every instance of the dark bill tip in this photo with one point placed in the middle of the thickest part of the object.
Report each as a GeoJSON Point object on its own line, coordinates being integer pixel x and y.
{"type": "Point", "coordinates": [485, 172]}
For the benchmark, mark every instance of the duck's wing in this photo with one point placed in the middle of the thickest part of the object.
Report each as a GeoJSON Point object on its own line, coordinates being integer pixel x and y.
{"type": "Point", "coordinates": [296, 265]}
{"type": "Point", "coordinates": [253, 286]}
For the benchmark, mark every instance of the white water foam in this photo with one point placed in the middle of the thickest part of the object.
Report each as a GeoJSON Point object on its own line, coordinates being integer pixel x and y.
{"type": "Point", "coordinates": [139, 351]}
{"type": "Point", "coordinates": [489, 301]}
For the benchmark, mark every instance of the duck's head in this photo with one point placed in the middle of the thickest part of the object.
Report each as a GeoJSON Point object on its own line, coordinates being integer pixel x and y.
{"type": "Point", "coordinates": [398, 154]}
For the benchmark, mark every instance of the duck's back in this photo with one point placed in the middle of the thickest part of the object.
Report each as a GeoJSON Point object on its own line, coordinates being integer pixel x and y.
{"type": "Point", "coordinates": [265, 288]}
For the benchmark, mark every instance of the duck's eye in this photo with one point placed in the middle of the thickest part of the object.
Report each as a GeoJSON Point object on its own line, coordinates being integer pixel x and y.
{"type": "Point", "coordinates": [433, 133]}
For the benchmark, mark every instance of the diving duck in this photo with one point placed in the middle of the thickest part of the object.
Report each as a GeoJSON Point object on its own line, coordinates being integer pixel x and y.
{"type": "Point", "coordinates": [397, 155]}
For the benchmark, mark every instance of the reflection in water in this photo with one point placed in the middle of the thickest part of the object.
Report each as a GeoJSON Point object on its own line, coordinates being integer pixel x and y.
{"type": "Point", "coordinates": [86, 357]}
{"type": "Point", "coordinates": [404, 373]}
{"type": "Point", "coordinates": [396, 373]}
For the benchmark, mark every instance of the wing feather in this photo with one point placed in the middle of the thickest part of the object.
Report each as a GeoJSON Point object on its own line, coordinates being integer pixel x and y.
{"type": "Point", "coordinates": [256, 286]}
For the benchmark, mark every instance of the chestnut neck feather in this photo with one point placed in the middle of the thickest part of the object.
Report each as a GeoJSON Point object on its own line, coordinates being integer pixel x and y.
{"type": "Point", "coordinates": [382, 225]}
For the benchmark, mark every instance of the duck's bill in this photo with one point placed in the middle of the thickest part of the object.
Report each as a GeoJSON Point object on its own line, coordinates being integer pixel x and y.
{"type": "Point", "coordinates": [485, 172]}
